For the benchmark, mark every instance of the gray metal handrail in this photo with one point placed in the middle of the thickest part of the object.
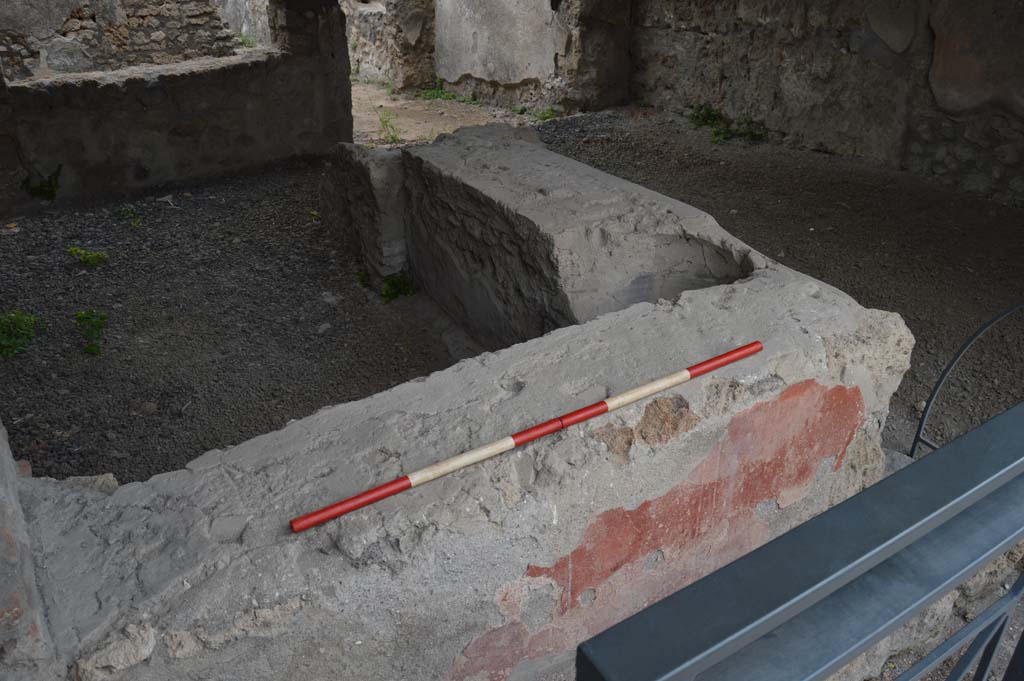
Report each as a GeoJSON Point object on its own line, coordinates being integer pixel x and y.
{"type": "Point", "coordinates": [970, 492]}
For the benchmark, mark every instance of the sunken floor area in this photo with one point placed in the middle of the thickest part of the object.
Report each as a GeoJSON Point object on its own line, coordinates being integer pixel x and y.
{"type": "Point", "coordinates": [229, 313]}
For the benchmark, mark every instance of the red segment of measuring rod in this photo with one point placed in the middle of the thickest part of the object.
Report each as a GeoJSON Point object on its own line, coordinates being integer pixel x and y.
{"type": "Point", "coordinates": [538, 431]}
{"type": "Point", "coordinates": [581, 415]}
{"type": "Point", "coordinates": [348, 505]}
{"type": "Point", "coordinates": [728, 358]}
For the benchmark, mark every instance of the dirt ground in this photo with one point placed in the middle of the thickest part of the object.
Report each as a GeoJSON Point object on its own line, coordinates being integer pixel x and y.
{"type": "Point", "coordinates": [946, 261]}
{"type": "Point", "coordinates": [229, 313]}
{"type": "Point", "coordinates": [416, 119]}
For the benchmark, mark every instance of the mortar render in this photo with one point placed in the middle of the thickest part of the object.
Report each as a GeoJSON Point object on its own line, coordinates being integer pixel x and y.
{"type": "Point", "coordinates": [514, 240]}
{"type": "Point", "coordinates": [194, 573]}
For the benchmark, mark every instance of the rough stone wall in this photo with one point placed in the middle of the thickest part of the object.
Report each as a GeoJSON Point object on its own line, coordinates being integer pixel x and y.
{"type": "Point", "coordinates": [392, 41]}
{"type": "Point", "coordinates": [570, 53]}
{"type": "Point", "coordinates": [39, 38]}
{"type": "Point", "coordinates": [119, 131]}
{"type": "Point", "coordinates": [935, 86]}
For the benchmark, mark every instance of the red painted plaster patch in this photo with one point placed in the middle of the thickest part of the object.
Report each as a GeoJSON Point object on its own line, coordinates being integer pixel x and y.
{"type": "Point", "coordinates": [771, 451]}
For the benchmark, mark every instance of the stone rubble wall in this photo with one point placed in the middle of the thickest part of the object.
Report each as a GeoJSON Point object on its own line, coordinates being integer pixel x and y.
{"type": "Point", "coordinates": [39, 38]}
{"type": "Point", "coordinates": [118, 131]}
{"type": "Point", "coordinates": [392, 41]}
{"type": "Point", "coordinates": [934, 86]}
{"type": "Point", "coordinates": [568, 53]}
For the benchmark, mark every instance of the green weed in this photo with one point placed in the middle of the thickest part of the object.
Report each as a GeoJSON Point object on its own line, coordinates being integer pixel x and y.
{"type": "Point", "coordinates": [130, 215]}
{"type": "Point", "coordinates": [439, 93]}
{"type": "Point", "coordinates": [17, 329]}
{"type": "Point", "coordinates": [45, 189]}
{"type": "Point", "coordinates": [389, 131]}
{"type": "Point", "coordinates": [541, 115]}
{"type": "Point", "coordinates": [88, 258]}
{"type": "Point", "coordinates": [363, 277]}
{"type": "Point", "coordinates": [396, 285]}
{"type": "Point", "coordinates": [724, 128]}
{"type": "Point", "coordinates": [90, 324]}
{"type": "Point", "coordinates": [247, 40]}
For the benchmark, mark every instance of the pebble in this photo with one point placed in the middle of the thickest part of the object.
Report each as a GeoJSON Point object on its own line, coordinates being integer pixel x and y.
{"type": "Point", "coordinates": [323, 328]}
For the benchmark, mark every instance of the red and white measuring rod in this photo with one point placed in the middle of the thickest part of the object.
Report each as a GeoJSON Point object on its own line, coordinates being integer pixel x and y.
{"type": "Point", "coordinates": [442, 468]}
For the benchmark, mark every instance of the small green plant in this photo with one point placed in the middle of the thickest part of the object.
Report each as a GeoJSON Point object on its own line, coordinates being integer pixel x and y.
{"type": "Point", "coordinates": [87, 258]}
{"type": "Point", "coordinates": [724, 128]}
{"type": "Point", "coordinates": [314, 214]}
{"type": "Point", "coordinates": [45, 188]}
{"type": "Point", "coordinates": [363, 277]}
{"type": "Point", "coordinates": [439, 93]}
{"type": "Point", "coordinates": [130, 215]}
{"type": "Point", "coordinates": [247, 40]}
{"type": "Point", "coordinates": [90, 324]}
{"type": "Point", "coordinates": [17, 329]}
{"type": "Point", "coordinates": [396, 285]}
{"type": "Point", "coordinates": [522, 110]}
{"type": "Point", "coordinates": [391, 90]}
{"type": "Point", "coordinates": [541, 115]}
{"type": "Point", "coordinates": [389, 131]}
{"type": "Point", "coordinates": [706, 116]}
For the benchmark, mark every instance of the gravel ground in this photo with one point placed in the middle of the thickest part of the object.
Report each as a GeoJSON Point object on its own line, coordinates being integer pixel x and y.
{"type": "Point", "coordinates": [230, 313]}
{"type": "Point", "coordinates": [946, 261]}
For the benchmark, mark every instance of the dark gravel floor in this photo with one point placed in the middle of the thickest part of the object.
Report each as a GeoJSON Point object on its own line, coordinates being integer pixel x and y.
{"type": "Point", "coordinates": [219, 301]}
{"type": "Point", "coordinates": [946, 261]}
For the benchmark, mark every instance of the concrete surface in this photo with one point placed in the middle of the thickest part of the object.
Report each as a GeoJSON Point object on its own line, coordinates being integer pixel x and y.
{"type": "Point", "coordinates": [118, 131]}
{"type": "Point", "coordinates": [514, 240]}
{"type": "Point", "coordinates": [499, 571]}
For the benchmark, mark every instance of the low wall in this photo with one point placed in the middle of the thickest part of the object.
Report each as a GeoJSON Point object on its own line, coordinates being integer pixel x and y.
{"type": "Point", "coordinates": [936, 87]}
{"type": "Point", "coordinates": [114, 132]}
{"type": "Point", "coordinates": [571, 53]}
{"type": "Point", "coordinates": [499, 571]}
{"type": "Point", "coordinates": [514, 240]}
